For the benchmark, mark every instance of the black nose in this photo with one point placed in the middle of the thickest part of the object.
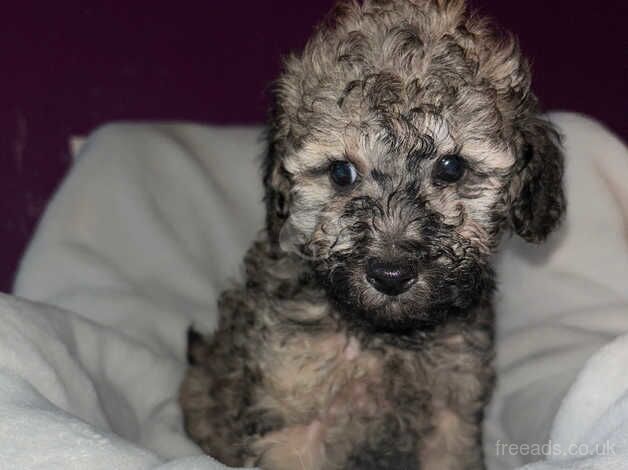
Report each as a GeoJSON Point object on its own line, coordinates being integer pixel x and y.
{"type": "Point", "coordinates": [390, 277]}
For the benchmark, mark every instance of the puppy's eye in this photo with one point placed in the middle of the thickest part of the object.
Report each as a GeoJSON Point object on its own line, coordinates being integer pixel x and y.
{"type": "Point", "coordinates": [343, 173]}
{"type": "Point", "coordinates": [449, 168]}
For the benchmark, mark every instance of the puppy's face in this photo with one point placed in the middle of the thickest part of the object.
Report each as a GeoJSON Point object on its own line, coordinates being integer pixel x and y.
{"type": "Point", "coordinates": [404, 141]}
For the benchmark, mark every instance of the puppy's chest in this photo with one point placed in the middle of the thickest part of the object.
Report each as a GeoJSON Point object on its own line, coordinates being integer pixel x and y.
{"type": "Point", "coordinates": [329, 377]}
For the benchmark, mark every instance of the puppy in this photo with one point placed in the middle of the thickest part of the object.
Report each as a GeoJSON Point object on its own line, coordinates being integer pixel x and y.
{"type": "Point", "coordinates": [403, 142]}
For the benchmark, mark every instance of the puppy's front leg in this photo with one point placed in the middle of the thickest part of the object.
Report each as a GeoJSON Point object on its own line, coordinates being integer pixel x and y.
{"type": "Point", "coordinates": [455, 443]}
{"type": "Point", "coordinates": [291, 448]}
{"type": "Point", "coordinates": [217, 397]}
{"type": "Point", "coordinates": [464, 378]}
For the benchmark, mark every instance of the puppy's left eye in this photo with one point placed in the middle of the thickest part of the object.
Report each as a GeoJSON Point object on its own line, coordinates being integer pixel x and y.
{"type": "Point", "coordinates": [449, 168]}
{"type": "Point", "coordinates": [343, 173]}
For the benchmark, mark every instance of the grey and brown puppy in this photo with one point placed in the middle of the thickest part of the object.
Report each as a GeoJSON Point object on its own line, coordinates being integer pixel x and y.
{"type": "Point", "coordinates": [404, 141]}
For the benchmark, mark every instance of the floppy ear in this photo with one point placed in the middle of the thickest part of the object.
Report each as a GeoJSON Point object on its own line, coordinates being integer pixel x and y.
{"type": "Point", "coordinates": [279, 136]}
{"type": "Point", "coordinates": [539, 202]}
{"type": "Point", "coordinates": [276, 186]}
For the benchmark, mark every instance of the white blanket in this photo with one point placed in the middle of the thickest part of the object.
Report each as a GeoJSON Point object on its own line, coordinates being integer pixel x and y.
{"type": "Point", "coordinates": [152, 223]}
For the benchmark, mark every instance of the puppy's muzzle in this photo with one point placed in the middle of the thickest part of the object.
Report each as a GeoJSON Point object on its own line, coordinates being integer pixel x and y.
{"type": "Point", "coordinates": [390, 277]}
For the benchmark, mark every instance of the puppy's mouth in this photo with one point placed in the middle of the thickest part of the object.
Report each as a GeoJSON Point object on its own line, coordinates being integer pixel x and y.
{"type": "Point", "coordinates": [402, 294]}
{"type": "Point", "coordinates": [386, 295]}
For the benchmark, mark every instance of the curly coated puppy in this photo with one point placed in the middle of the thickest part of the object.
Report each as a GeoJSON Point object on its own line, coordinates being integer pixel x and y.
{"type": "Point", "coordinates": [403, 142]}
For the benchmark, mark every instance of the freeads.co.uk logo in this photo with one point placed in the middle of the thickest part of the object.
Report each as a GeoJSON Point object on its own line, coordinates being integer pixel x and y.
{"type": "Point", "coordinates": [555, 449]}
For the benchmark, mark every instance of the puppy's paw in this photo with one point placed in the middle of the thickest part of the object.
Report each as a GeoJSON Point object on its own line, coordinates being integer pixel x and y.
{"type": "Point", "coordinates": [293, 448]}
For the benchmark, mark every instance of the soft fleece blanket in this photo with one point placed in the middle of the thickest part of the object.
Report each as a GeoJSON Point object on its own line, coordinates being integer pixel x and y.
{"type": "Point", "coordinates": [152, 223]}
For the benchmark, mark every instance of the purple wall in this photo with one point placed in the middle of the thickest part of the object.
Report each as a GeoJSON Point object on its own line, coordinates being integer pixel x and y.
{"type": "Point", "coordinates": [66, 69]}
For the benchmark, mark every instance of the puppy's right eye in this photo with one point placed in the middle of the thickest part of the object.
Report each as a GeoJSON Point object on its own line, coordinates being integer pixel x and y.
{"type": "Point", "coordinates": [450, 168]}
{"type": "Point", "coordinates": [343, 174]}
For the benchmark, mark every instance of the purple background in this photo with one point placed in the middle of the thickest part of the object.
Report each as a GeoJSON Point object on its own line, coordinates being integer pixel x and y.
{"type": "Point", "coordinates": [68, 68]}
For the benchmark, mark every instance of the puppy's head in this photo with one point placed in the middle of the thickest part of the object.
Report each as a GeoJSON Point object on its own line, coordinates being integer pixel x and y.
{"type": "Point", "coordinates": [403, 141]}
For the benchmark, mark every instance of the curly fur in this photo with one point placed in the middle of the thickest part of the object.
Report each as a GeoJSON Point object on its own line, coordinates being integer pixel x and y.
{"type": "Point", "coordinates": [313, 368]}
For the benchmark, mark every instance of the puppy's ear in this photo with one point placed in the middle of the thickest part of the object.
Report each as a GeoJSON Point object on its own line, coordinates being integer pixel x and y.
{"type": "Point", "coordinates": [279, 136]}
{"type": "Point", "coordinates": [539, 202]}
{"type": "Point", "coordinates": [276, 186]}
